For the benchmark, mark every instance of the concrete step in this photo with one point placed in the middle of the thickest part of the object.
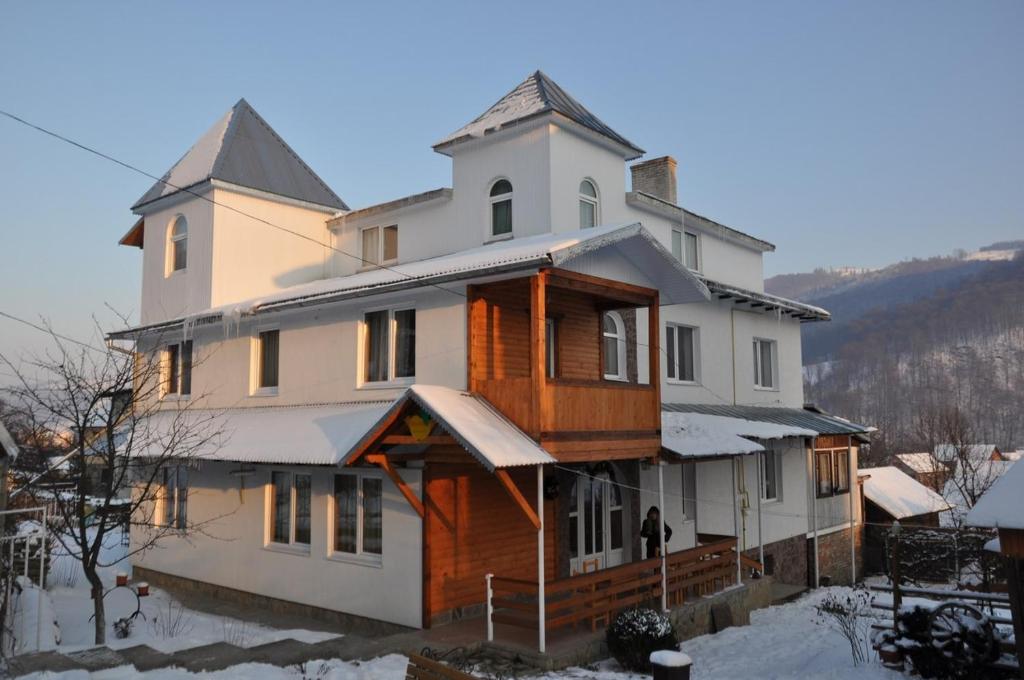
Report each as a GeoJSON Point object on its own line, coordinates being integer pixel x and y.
{"type": "Point", "coordinates": [41, 661]}
{"type": "Point", "coordinates": [212, 657]}
{"type": "Point", "coordinates": [97, 658]}
{"type": "Point", "coordinates": [284, 652]}
{"type": "Point", "coordinates": [145, 658]}
{"type": "Point", "coordinates": [347, 648]}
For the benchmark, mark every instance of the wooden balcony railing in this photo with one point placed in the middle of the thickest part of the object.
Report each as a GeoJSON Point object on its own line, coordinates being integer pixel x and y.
{"type": "Point", "coordinates": [593, 599]}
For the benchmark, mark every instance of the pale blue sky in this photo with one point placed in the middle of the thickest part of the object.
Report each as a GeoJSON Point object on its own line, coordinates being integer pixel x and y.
{"type": "Point", "coordinates": [848, 133]}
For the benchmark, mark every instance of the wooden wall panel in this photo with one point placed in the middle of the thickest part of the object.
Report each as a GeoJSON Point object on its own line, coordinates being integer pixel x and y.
{"type": "Point", "coordinates": [578, 326]}
{"type": "Point", "coordinates": [474, 528]}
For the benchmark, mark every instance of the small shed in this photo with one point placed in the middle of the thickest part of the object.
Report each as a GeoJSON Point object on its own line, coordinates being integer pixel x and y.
{"type": "Point", "coordinates": [891, 494]}
{"type": "Point", "coordinates": [1002, 508]}
{"type": "Point", "coordinates": [924, 467]}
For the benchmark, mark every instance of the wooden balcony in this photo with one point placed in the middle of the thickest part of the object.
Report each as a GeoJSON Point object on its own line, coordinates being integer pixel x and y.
{"type": "Point", "coordinates": [575, 413]}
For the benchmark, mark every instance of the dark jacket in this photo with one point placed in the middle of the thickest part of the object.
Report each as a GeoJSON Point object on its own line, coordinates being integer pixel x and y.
{"type": "Point", "coordinates": [649, 530]}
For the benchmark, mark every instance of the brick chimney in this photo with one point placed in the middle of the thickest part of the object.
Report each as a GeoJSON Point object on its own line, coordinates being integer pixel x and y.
{"type": "Point", "coordinates": [656, 177]}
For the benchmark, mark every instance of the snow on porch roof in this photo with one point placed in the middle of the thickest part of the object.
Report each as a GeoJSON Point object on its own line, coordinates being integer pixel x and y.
{"type": "Point", "coordinates": [699, 435]}
{"type": "Point", "coordinates": [629, 243]}
{"type": "Point", "coordinates": [899, 494]}
{"type": "Point", "coordinates": [1002, 506]}
{"type": "Point", "coordinates": [476, 425]}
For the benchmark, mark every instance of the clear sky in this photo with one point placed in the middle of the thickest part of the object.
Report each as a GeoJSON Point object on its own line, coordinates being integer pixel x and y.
{"type": "Point", "coordinates": [847, 133]}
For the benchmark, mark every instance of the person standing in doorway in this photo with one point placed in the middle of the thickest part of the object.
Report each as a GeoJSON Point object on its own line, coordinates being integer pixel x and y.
{"type": "Point", "coordinates": [651, 531]}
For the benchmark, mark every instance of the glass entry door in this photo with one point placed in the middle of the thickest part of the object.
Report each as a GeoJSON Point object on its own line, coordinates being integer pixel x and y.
{"type": "Point", "coordinates": [595, 524]}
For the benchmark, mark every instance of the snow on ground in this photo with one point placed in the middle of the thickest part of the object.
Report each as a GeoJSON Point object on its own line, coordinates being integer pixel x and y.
{"type": "Point", "coordinates": [164, 624]}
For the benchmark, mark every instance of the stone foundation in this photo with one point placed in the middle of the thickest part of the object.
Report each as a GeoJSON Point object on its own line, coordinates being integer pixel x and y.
{"type": "Point", "coordinates": [834, 557]}
{"type": "Point", "coordinates": [785, 561]}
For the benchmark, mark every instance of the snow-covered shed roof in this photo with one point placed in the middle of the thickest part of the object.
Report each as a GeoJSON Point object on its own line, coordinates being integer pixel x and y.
{"type": "Point", "coordinates": [242, 149]}
{"type": "Point", "coordinates": [8, 449]}
{"type": "Point", "coordinates": [699, 435]}
{"type": "Point", "coordinates": [1013, 456]}
{"type": "Point", "coordinates": [477, 426]}
{"type": "Point", "coordinates": [812, 420]}
{"type": "Point", "coordinates": [920, 462]}
{"type": "Point", "coordinates": [535, 96]}
{"type": "Point", "coordinates": [977, 452]}
{"type": "Point", "coordinates": [574, 250]}
{"type": "Point", "coordinates": [1002, 506]}
{"type": "Point", "coordinates": [899, 494]}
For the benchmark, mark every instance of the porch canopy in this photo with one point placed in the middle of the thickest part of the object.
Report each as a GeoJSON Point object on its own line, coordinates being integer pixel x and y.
{"type": "Point", "coordinates": [699, 435]}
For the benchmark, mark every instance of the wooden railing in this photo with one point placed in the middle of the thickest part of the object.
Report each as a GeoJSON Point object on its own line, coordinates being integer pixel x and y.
{"type": "Point", "coordinates": [593, 599]}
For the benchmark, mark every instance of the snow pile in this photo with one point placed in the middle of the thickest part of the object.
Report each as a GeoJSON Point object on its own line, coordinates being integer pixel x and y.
{"type": "Point", "coordinates": [669, 659]}
{"type": "Point", "coordinates": [34, 625]}
{"type": "Point", "coordinates": [899, 494]}
{"type": "Point", "coordinates": [1002, 506]}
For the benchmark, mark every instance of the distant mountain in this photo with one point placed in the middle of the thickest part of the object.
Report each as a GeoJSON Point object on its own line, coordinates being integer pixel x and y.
{"type": "Point", "coordinates": [916, 340]}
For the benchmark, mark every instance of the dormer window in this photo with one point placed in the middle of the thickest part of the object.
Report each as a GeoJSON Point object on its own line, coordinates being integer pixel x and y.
{"type": "Point", "coordinates": [177, 245]}
{"type": "Point", "coordinates": [588, 204]}
{"type": "Point", "coordinates": [501, 208]}
{"type": "Point", "coordinates": [380, 245]}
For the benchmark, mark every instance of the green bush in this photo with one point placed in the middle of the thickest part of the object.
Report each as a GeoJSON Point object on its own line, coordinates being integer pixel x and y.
{"type": "Point", "coordinates": [635, 633]}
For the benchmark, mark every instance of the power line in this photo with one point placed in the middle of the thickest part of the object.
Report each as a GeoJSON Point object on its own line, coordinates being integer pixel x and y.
{"type": "Point", "coordinates": [49, 331]}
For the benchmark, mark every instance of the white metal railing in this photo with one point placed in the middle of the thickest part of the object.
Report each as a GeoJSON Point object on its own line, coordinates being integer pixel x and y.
{"type": "Point", "coordinates": [14, 564]}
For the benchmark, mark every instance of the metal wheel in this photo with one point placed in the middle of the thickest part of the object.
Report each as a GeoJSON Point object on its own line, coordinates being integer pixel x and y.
{"type": "Point", "coordinates": [961, 631]}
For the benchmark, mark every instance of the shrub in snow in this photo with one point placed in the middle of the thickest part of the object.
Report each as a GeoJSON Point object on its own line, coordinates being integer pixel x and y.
{"type": "Point", "coordinates": [635, 633]}
{"type": "Point", "coordinates": [849, 613]}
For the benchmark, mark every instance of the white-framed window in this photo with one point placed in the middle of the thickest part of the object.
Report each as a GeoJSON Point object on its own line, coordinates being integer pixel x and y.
{"type": "Point", "coordinates": [589, 214]}
{"type": "Point", "coordinates": [178, 369]}
{"type": "Point", "coordinates": [290, 497]}
{"type": "Point", "coordinates": [379, 245]}
{"type": "Point", "coordinates": [686, 248]}
{"type": "Point", "coordinates": [771, 475]}
{"type": "Point", "coordinates": [551, 347]}
{"type": "Point", "coordinates": [765, 362]}
{"type": "Point", "coordinates": [177, 245]}
{"type": "Point", "coordinates": [174, 511]}
{"type": "Point", "coordinates": [501, 208]}
{"type": "Point", "coordinates": [682, 349]}
{"type": "Point", "coordinates": [357, 516]}
{"type": "Point", "coordinates": [389, 345]}
{"type": "Point", "coordinates": [266, 361]}
{"type": "Point", "coordinates": [614, 346]}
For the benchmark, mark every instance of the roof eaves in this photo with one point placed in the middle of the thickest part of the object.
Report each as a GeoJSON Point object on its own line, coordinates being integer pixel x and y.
{"type": "Point", "coordinates": [443, 193]}
{"type": "Point", "coordinates": [802, 311]}
{"type": "Point", "coordinates": [659, 206]}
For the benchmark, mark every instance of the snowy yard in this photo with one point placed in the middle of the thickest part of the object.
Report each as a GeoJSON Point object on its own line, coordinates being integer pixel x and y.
{"type": "Point", "coordinates": [781, 642]}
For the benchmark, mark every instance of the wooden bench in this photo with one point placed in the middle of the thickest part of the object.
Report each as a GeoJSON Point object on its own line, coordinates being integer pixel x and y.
{"type": "Point", "coordinates": [422, 668]}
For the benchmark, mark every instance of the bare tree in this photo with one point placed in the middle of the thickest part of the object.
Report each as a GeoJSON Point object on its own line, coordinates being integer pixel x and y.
{"type": "Point", "coordinates": [970, 472]}
{"type": "Point", "coordinates": [127, 449]}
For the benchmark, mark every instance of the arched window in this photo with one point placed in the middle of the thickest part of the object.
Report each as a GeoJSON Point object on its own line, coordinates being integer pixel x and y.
{"type": "Point", "coordinates": [501, 208]}
{"type": "Point", "coordinates": [177, 244]}
{"type": "Point", "coordinates": [614, 332]}
{"type": "Point", "coordinates": [588, 204]}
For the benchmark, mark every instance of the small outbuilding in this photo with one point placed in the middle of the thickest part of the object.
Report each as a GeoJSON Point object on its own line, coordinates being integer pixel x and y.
{"type": "Point", "coordinates": [891, 494]}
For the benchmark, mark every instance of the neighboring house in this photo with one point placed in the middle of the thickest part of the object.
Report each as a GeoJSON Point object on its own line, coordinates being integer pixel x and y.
{"type": "Point", "coordinates": [950, 453]}
{"type": "Point", "coordinates": [890, 494]}
{"type": "Point", "coordinates": [478, 379]}
{"type": "Point", "coordinates": [1012, 456]}
{"type": "Point", "coordinates": [924, 467]}
{"type": "Point", "coordinates": [8, 454]}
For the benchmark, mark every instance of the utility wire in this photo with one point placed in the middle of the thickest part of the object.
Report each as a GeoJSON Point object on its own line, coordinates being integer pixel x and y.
{"type": "Point", "coordinates": [49, 331]}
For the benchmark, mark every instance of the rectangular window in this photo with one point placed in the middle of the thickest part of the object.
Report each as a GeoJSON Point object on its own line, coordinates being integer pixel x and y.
{"type": "Point", "coordinates": [389, 345]}
{"type": "Point", "coordinates": [358, 515]}
{"type": "Point", "coordinates": [771, 476]}
{"type": "Point", "coordinates": [692, 252]}
{"type": "Point", "coordinates": [764, 363]}
{"type": "Point", "coordinates": [268, 349]}
{"type": "Point", "coordinates": [681, 350]}
{"type": "Point", "coordinates": [677, 244]}
{"type": "Point", "coordinates": [178, 374]}
{"type": "Point", "coordinates": [842, 473]}
{"type": "Point", "coordinates": [823, 473]}
{"type": "Point", "coordinates": [551, 347]}
{"type": "Point", "coordinates": [175, 497]}
{"type": "Point", "coordinates": [380, 245]}
{"type": "Point", "coordinates": [501, 217]}
{"type": "Point", "coordinates": [291, 500]}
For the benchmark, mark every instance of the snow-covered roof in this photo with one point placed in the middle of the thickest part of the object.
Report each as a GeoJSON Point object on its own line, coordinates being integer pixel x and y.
{"type": "Point", "coordinates": [949, 452]}
{"type": "Point", "coordinates": [697, 435]}
{"type": "Point", "coordinates": [295, 435]}
{"type": "Point", "coordinates": [8, 448]}
{"type": "Point", "coordinates": [1013, 456]}
{"type": "Point", "coordinates": [1002, 506]}
{"type": "Point", "coordinates": [899, 494]}
{"type": "Point", "coordinates": [806, 418]}
{"type": "Point", "coordinates": [574, 250]}
{"type": "Point", "coordinates": [476, 425]}
{"type": "Point", "coordinates": [242, 149]}
{"type": "Point", "coordinates": [535, 96]}
{"type": "Point", "coordinates": [921, 462]}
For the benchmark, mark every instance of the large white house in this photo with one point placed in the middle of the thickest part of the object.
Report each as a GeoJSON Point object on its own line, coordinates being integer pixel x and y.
{"type": "Point", "coordinates": [476, 379]}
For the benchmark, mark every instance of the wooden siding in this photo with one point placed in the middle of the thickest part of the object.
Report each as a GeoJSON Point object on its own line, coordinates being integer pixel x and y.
{"type": "Point", "coordinates": [472, 528]}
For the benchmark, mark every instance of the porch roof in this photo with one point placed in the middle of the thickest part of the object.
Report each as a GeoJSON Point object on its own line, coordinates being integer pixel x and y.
{"type": "Point", "coordinates": [476, 425]}
{"type": "Point", "coordinates": [700, 435]}
{"type": "Point", "coordinates": [810, 419]}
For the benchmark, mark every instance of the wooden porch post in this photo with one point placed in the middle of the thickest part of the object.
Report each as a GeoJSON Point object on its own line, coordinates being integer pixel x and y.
{"type": "Point", "coordinates": [661, 528]}
{"type": "Point", "coordinates": [541, 623]}
{"type": "Point", "coordinates": [760, 492]}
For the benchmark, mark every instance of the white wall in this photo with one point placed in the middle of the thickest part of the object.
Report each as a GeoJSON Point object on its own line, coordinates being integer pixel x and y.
{"type": "Point", "coordinates": [785, 517]}
{"type": "Point", "coordinates": [684, 529]}
{"type": "Point", "coordinates": [230, 551]}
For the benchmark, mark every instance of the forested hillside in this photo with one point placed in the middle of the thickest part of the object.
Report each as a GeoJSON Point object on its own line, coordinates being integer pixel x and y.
{"type": "Point", "coordinates": [919, 340]}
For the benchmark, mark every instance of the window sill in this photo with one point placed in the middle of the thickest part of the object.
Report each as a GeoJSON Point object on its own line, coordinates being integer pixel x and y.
{"type": "Point", "coordinates": [264, 392]}
{"type": "Point", "coordinates": [683, 383]}
{"type": "Point", "coordinates": [499, 238]}
{"type": "Point", "coordinates": [174, 396]}
{"type": "Point", "coordinates": [758, 388]}
{"type": "Point", "coordinates": [176, 272]}
{"type": "Point", "coordinates": [770, 501]}
{"type": "Point", "coordinates": [388, 385]}
{"type": "Point", "coordinates": [288, 549]}
{"type": "Point", "coordinates": [374, 561]}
